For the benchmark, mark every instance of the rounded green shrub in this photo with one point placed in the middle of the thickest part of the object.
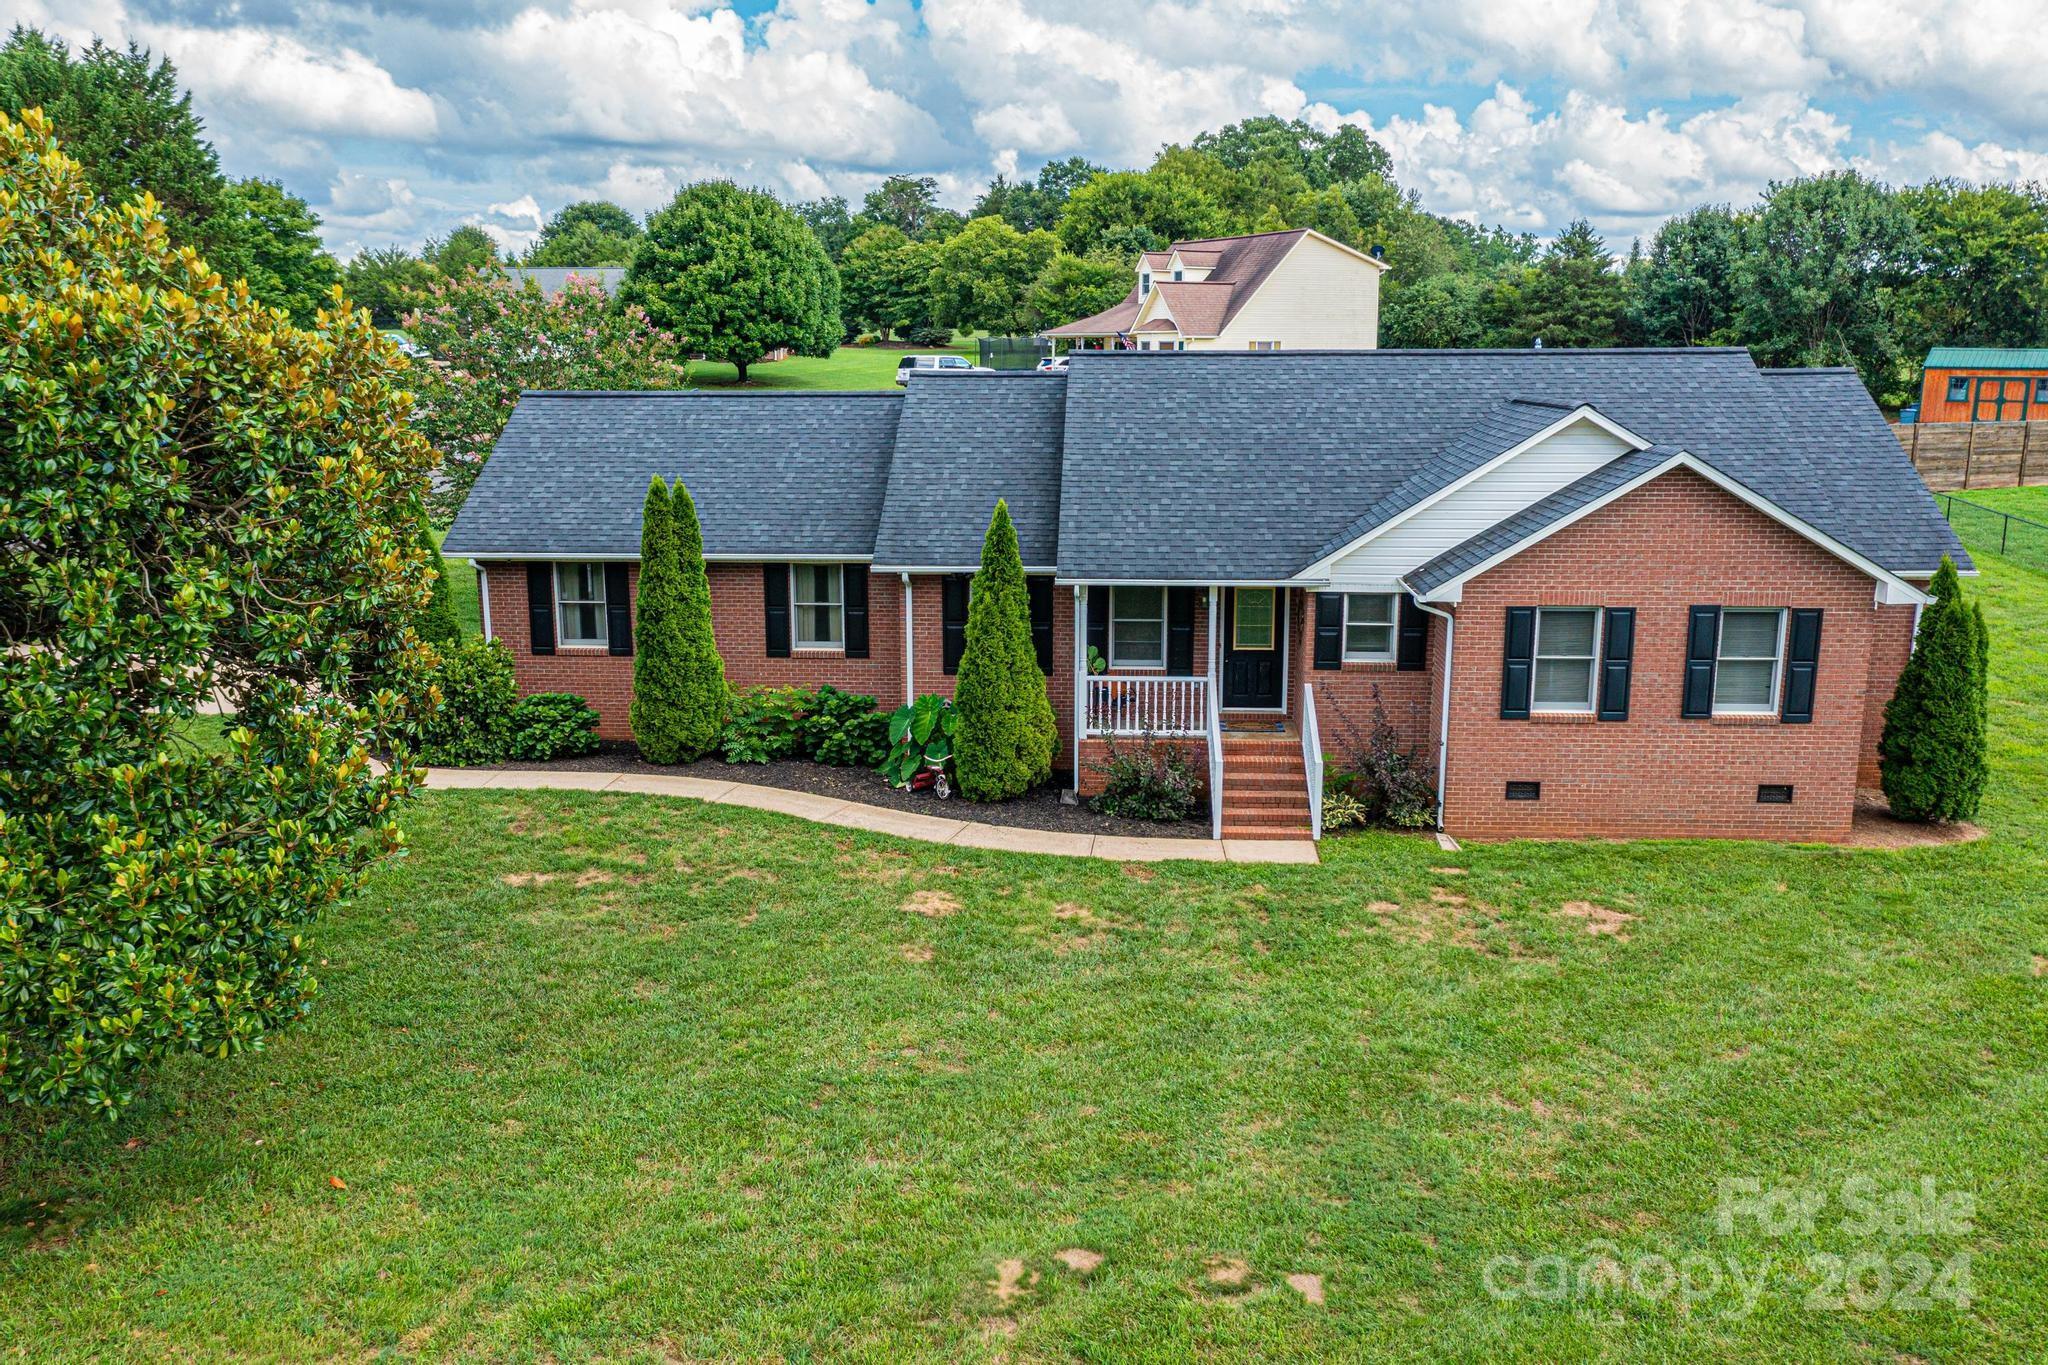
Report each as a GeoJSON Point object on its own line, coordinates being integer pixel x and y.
{"type": "Point", "coordinates": [550, 725]}
{"type": "Point", "coordinates": [473, 723]}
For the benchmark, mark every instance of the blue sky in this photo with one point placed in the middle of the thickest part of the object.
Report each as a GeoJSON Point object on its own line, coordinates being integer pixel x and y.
{"type": "Point", "coordinates": [398, 119]}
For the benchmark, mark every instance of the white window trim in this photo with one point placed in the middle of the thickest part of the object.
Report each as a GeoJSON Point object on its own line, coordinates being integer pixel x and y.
{"type": "Point", "coordinates": [563, 602]}
{"type": "Point", "coordinates": [1592, 664]}
{"type": "Point", "coordinates": [1393, 624]}
{"type": "Point", "coordinates": [1114, 660]}
{"type": "Point", "coordinates": [797, 605]}
{"type": "Point", "coordinates": [1769, 708]}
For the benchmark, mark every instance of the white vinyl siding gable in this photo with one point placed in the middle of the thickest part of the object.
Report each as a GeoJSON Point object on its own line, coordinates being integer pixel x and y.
{"type": "Point", "coordinates": [1320, 295]}
{"type": "Point", "coordinates": [1494, 496]}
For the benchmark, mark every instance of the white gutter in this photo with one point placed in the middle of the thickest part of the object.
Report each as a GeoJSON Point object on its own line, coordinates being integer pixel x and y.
{"type": "Point", "coordinates": [909, 654]}
{"type": "Point", "coordinates": [483, 595]}
{"type": "Point", "coordinates": [1443, 728]}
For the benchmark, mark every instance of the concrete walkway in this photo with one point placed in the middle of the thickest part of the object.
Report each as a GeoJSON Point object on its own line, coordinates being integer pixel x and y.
{"type": "Point", "coordinates": [935, 829]}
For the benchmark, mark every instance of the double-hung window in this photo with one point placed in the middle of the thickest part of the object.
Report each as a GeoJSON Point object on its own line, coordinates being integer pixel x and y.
{"type": "Point", "coordinates": [1137, 627]}
{"type": "Point", "coordinates": [1567, 640]}
{"type": "Point", "coordinates": [1368, 627]}
{"type": "Point", "coordinates": [1746, 661]}
{"type": "Point", "coordinates": [580, 604]}
{"type": "Point", "coordinates": [818, 596]}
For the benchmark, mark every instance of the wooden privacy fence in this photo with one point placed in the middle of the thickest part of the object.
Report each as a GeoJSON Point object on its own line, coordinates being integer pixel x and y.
{"type": "Point", "coordinates": [1951, 455]}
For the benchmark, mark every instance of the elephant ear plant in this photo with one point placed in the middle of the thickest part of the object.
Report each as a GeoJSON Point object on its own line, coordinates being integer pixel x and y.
{"type": "Point", "coordinates": [921, 745]}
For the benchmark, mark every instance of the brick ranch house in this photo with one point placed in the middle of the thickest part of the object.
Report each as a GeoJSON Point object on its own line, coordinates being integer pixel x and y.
{"type": "Point", "coordinates": [1600, 593]}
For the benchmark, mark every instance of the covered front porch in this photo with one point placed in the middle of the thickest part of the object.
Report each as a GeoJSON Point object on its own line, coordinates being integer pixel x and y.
{"type": "Point", "coordinates": [1217, 669]}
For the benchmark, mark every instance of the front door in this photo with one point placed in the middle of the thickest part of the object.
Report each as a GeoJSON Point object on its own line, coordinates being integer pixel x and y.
{"type": "Point", "coordinates": [1254, 649]}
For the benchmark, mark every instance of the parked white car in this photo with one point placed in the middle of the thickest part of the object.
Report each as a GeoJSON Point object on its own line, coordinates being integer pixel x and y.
{"type": "Point", "coordinates": [937, 364]}
{"type": "Point", "coordinates": [1051, 364]}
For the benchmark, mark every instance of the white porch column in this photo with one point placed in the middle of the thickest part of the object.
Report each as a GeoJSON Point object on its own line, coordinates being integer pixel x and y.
{"type": "Point", "coordinates": [1215, 653]}
{"type": "Point", "coordinates": [909, 653]}
{"type": "Point", "coordinates": [1080, 677]}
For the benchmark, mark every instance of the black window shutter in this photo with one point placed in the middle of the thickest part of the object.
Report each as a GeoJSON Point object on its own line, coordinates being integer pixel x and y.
{"type": "Point", "coordinates": [618, 610]}
{"type": "Point", "coordinates": [1413, 651]}
{"type": "Point", "coordinates": [1517, 662]}
{"type": "Point", "coordinates": [1617, 653]}
{"type": "Point", "coordinates": [1329, 630]}
{"type": "Point", "coordinates": [1702, 637]}
{"type": "Point", "coordinates": [775, 608]}
{"type": "Point", "coordinates": [1098, 624]}
{"type": "Point", "coordinates": [540, 607]}
{"type": "Point", "coordinates": [854, 593]}
{"type": "Point", "coordinates": [1040, 589]}
{"type": "Point", "coordinates": [1180, 630]}
{"type": "Point", "coordinates": [953, 620]}
{"type": "Point", "coordinates": [1802, 662]}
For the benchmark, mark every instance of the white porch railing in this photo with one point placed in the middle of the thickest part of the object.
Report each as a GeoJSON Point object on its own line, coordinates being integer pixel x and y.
{"type": "Point", "coordinates": [1312, 760]}
{"type": "Point", "coordinates": [1165, 705]}
{"type": "Point", "coordinates": [1215, 773]}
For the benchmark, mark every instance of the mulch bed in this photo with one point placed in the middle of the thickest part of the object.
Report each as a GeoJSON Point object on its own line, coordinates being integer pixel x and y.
{"type": "Point", "coordinates": [1040, 809]}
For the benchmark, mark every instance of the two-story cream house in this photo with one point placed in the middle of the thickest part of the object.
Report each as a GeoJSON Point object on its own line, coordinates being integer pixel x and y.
{"type": "Point", "coordinates": [1268, 291]}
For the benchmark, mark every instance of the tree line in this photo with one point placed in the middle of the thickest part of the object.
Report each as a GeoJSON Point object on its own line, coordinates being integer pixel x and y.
{"type": "Point", "coordinates": [1834, 269]}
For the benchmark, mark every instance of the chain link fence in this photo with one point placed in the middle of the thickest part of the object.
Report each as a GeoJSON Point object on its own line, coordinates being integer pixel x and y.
{"type": "Point", "coordinates": [1989, 530]}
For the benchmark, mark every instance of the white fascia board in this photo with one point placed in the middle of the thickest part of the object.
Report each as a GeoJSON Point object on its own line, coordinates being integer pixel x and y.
{"type": "Point", "coordinates": [1585, 412]}
{"type": "Point", "coordinates": [1140, 582]}
{"type": "Point", "coordinates": [574, 557]}
{"type": "Point", "coordinates": [1368, 258]}
{"type": "Point", "coordinates": [1036, 569]}
{"type": "Point", "coordinates": [1897, 589]}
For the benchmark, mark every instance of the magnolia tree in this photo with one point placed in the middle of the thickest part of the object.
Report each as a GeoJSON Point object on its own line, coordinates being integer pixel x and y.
{"type": "Point", "coordinates": [490, 340]}
{"type": "Point", "coordinates": [198, 501]}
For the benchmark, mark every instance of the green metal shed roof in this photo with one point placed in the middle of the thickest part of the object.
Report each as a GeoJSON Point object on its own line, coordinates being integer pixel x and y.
{"type": "Point", "coordinates": [1988, 358]}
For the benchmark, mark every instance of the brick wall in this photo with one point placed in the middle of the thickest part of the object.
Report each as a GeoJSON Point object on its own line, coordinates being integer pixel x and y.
{"type": "Point", "coordinates": [1677, 542]}
{"type": "Point", "coordinates": [1344, 695]}
{"type": "Point", "coordinates": [1891, 644]}
{"type": "Point", "coordinates": [738, 609]}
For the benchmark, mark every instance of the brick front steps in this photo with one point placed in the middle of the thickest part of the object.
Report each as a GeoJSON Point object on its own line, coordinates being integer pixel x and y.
{"type": "Point", "coordinates": [1265, 787]}
{"type": "Point", "coordinates": [827, 810]}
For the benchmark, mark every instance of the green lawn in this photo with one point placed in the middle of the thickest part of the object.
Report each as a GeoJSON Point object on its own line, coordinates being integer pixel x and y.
{"type": "Point", "coordinates": [2024, 539]}
{"type": "Point", "coordinates": [637, 1079]}
{"type": "Point", "coordinates": [851, 367]}
{"type": "Point", "coordinates": [462, 590]}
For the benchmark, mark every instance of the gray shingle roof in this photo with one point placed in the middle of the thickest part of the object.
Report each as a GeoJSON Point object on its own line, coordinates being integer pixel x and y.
{"type": "Point", "coordinates": [772, 474]}
{"type": "Point", "coordinates": [1203, 465]}
{"type": "Point", "coordinates": [1176, 466]}
{"type": "Point", "coordinates": [964, 441]}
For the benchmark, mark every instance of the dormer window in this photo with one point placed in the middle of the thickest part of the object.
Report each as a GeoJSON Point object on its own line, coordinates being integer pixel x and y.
{"type": "Point", "coordinates": [1176, 275]}
{"type": "Point", "coordinates": [1144, 284]}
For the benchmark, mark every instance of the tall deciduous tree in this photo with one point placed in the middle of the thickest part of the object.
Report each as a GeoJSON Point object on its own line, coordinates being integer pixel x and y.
{"type": "Point", "coordinates": [882, 281]}
{"type": "Point", "coordinates": [198, 502]}
{"type": "Point", "coordinates": [1932, 758]}
{"type": "Point", "coordinates": [1815, 283]}
{"type": "Point", "coordinates": [464, 251]}
{"type": "Point", "coordinates": [1982, 274]}
{"type": "Point", "coordinates": [1073, 287]}
{"type": "Point", "coordinates": [981, 276]}
{"type": "Point", "coordinates": [1007, 732]}
{"type": "Point", "coordinates": [679, 691]}
{"type": "Point", "coordinates": [590, 232]}
{"type": "Point", "coordinates": [491, 341]}
{"type": "Point", "coordinates": [282, 258]}
{"type": "Point", "coordinates": [735, 275]}
{"type": "Point", "coordinates": [1684, 292]}
{"type": "Point", "coordinates": [389, 281]}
